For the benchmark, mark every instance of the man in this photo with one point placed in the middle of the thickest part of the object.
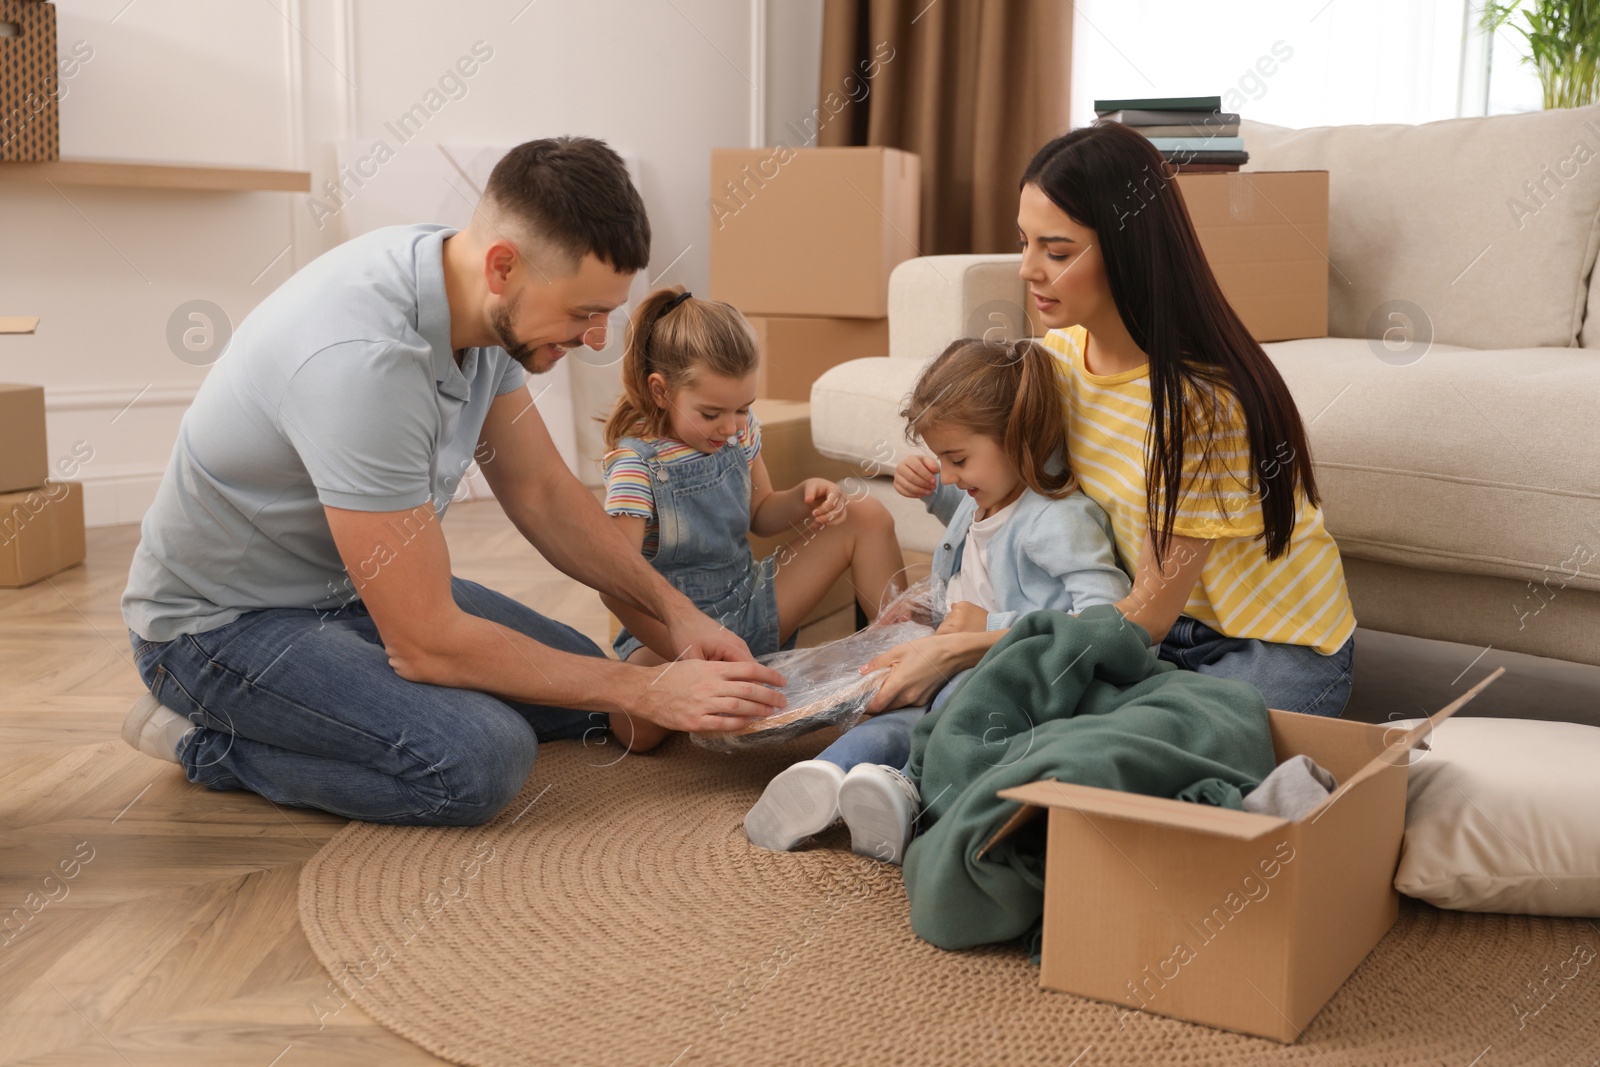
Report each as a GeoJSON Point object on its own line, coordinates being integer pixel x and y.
{"type": "Point", "coordinates": [291, 605]}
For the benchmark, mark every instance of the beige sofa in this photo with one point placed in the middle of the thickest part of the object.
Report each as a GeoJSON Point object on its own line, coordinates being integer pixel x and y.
{"type": "Point", "coordinates": [1454, 412]}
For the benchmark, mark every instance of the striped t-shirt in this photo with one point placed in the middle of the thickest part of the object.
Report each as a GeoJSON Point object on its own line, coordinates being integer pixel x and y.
{"type": "Point", "coordinates": [628, 486]}
{"type": "Point", "coordinates": [1297, 599]}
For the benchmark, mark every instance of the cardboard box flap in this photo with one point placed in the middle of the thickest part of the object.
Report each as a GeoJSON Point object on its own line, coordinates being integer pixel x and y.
{"type": "Point", "coordinates": [1398, 745]}
{"type": "Point", "coordinates": [1133, 807]}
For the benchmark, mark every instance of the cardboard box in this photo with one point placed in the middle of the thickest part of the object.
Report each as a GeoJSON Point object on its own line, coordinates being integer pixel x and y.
{"type": "Point", "coordinates": [24, 459]}
{"type": "Point", "coordinates": [811, 231]}
{"type": "Point", "coordinates": [1228, 918]}
{"type": "Point", "coordinates": [1265, 234]}
{"type": "Point", "coordinates": [787, 449]}
{"type": "Point", "coordinates": [30, 106]}
{"type": "Point", "coordinates": [796, 350]}
{"type": "Point", "coordinates": [41, 532]}
{"type": "Point", "coordinates": [791, 458]}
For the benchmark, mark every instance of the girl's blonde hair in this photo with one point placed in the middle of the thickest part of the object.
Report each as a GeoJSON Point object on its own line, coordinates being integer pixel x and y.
{"type": "Point", "coordinates": [677, 343]}
{"type": "Point", "coordinates": [1008, 391]}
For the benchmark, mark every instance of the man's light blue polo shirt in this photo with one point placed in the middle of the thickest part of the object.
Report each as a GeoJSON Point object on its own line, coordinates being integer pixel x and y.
{"type": "Point", "coordinates": [339, 389]}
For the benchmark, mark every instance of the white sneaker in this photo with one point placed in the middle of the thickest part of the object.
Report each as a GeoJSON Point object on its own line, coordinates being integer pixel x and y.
{"type": "Point", "coordinates": [879, 804]}
{"type": "Point", "coordinates": [155, 729]}
{"type": "Point", "coordinates": [801, 801]}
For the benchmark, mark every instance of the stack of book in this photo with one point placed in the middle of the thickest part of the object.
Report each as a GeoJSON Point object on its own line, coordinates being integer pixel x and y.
{"type": "Point", "coordinates": [1192, 132]}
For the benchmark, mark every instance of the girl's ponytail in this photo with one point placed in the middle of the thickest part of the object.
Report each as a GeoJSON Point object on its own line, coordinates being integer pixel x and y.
{"type": "Point", "coordinates": [1036, 433]}
{"type": "Point", "coordinates": [675, 335]}
{"type": "Point", "coordinates": [635, 405]}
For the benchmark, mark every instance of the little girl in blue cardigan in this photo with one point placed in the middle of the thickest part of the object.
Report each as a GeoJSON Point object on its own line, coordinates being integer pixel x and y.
{"type": "Point", "coordinates": [1019, 537]}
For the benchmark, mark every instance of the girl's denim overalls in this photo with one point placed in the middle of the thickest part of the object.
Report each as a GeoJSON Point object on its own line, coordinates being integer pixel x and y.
{"type": "Point", "coordinates": [703, 510]}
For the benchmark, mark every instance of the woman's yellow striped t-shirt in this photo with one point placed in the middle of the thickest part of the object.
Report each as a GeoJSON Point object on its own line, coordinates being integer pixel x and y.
{"type": "Point", "coordinates": [1297, 599]}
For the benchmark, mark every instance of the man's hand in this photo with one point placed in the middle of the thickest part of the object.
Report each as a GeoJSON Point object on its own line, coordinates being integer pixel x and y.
{"type": "Point", "coordinates": [700, 696]}
{"type": "Point", "coordinates": [695, 635]}
{"type": "Point", "coordinates": [964, 617]}
{"type": "Point", "coordinates": [825, 499]}
{"type": "Point", "coordinates": [916, 476]}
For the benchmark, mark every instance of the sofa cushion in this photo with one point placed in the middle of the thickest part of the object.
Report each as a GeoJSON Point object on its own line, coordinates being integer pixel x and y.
{"type": "Point", "coordinates": [855, 411]}
{"type": "Point", "coordinates": [933, 300]}
{"type": "Point", "coordinates": [1466, 461]}
{"type": "Point", "coordinates": [1449, 217]}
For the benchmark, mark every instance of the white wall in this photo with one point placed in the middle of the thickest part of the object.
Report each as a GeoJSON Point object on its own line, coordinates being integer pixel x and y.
{"type": "Point", "coordinates": [277, 83]}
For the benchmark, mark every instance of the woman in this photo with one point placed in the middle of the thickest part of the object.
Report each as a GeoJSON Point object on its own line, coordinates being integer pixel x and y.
{"type": "Point", "coordinates": [1180, 428]}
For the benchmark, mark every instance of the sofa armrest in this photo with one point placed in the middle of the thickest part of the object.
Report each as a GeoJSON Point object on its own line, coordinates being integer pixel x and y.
{"type": "Point", "coordinates": [934, 300]}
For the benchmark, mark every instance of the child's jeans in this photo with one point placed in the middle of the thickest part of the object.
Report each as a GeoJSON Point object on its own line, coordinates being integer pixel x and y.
{"type": "Point", "coordinates": [884, 738]}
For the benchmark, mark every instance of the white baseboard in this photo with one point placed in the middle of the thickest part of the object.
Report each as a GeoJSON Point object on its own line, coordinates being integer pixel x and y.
{"type": "Point", "coordinates": [128, 432]}
{"type": "Point", "coordinates": [131, 430]}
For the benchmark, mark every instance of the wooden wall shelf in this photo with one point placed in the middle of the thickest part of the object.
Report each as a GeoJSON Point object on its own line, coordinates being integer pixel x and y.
{"type": "Point", "coordinates": [112, 174]}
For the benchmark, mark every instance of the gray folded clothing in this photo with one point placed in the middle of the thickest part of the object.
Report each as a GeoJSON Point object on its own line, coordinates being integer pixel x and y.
{"type": "Point", "coordinates": [1297, 786]}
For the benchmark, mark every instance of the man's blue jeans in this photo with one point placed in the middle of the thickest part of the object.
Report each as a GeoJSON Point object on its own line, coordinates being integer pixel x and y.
{"type": "Point", "coordinates": [303, 708]}
{"type": "Point", "coordinates": [1290, 677]}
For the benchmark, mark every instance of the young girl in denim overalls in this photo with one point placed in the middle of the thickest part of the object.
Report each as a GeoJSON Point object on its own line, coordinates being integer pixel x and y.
{"type": "Point", "coordinates": [1019, 537]}
{"type": "Point", "coordinates": [685, 481]}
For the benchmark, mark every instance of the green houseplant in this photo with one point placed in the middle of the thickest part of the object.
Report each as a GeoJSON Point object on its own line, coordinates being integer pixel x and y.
{"type": "Point", "coordinates": [1563, 42]}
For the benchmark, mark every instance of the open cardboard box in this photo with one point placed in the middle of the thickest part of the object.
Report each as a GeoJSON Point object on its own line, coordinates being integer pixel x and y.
{"type": "Point", "coordinates": [1228, 918]}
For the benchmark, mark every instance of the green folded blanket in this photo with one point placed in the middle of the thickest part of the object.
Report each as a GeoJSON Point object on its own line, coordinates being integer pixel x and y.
{"type": "Point", "coordinates": [1078, 699]}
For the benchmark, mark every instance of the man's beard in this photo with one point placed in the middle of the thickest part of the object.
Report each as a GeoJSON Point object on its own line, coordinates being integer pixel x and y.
{"type": "Point", "coordinates": [500, 319]}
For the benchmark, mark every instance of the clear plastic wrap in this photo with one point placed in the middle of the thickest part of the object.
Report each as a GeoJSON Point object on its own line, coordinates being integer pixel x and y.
{"type": "Point", "coordinates": [824, 685]}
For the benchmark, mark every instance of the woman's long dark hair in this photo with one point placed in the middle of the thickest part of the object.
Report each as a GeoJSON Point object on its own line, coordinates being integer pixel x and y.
{"type": "Point", "coordinates": [1113, 180]}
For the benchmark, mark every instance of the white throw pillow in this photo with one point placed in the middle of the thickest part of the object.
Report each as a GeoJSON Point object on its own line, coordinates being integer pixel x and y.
{"type": "Point", "coordinates": [1504, 815]}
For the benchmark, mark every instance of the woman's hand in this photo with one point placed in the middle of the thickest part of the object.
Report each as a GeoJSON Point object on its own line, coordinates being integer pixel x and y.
{"type": "Point", "coordinates": [916, 476]}
{"type": "Point", "coordinates": [917, 670]}
{"type": "Point", "coordinates": [964, 617]}
{"type": "Point", "coordinates": [825, 499]}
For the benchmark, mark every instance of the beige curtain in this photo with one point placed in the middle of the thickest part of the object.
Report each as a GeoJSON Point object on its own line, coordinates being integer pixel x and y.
{"type": "Point", "coordinates": [974, 87]}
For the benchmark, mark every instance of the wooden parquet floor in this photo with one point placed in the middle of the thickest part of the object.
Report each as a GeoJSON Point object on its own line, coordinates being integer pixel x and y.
{"type": "Point", "coordinates": [147, 921]}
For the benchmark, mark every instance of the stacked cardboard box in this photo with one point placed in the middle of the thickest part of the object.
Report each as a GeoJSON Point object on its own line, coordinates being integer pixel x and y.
{"type": "Point", "coordinates": [41, 523]}
{"type": "Point", "coordinates": [802, 242]}
{"type": "Point", "coordinates": [1265, 234]}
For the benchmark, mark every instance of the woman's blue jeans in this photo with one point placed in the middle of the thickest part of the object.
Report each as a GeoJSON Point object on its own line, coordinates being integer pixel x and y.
{"type": "Point", "coordinates": [303, 708]}
{"type": "Point", "coordinates": [1291, 677]}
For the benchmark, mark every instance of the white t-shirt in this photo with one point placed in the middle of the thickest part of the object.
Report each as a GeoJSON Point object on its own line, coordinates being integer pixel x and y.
{"type": "Point", "coordinates": [971, 582]}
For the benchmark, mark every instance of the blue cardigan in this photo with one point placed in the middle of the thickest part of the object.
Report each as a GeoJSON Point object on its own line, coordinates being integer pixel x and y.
{"type": "Point", "coordinates": [1051, 554]}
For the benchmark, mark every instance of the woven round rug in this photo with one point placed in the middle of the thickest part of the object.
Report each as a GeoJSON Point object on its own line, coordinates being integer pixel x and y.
{"type": "Point", "coordinates": [615, 914]}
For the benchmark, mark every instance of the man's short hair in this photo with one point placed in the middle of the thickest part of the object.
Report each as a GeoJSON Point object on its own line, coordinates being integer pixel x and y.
{"type": "Point", "coordinates": [573, 194]}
